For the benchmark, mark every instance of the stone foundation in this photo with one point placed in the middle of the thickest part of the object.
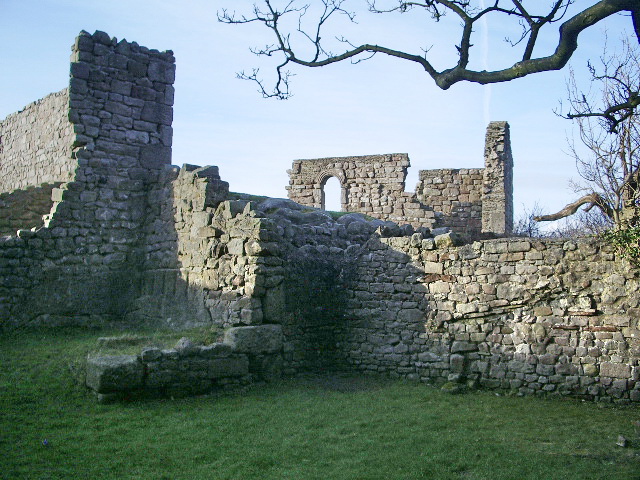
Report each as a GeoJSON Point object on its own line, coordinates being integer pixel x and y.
{"type": "Point", "coordinates": [247, 354]}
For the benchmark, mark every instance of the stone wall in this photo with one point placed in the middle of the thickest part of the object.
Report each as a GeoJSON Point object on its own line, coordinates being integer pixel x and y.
{"type": "Point", "coordinates": [373, 185]}
{"type": "Point", "coordinates": [131, 237]}
{"type": "Point", "coordinates": [527, 315]}
{"type": "Point", "coordinates": [35, 144]}
{"type": "Point", "coordinates": [25, 209]}
{"type": "Point", "coordinates": [199, 266]}
{"type": "Point", "coordinates": [469, 201]}
{"type": "Point", "coordinates": [85, 263]}
{"type": "Point", "coordinates": [456, 195]}
{"type": "Point", "coordinates": [246, 354]}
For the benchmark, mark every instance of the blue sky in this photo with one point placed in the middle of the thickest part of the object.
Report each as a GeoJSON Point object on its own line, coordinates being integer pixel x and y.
{"type": "Point", "coordinates": [379, 106]}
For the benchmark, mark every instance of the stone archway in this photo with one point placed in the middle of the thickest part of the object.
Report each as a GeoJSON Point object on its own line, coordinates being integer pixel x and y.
{"type": "Point", "coordinates": [321, 182]}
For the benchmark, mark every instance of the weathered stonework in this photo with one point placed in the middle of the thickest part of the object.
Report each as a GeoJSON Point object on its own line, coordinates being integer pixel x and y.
{"type": "Point", "coordinates": [35, 157]}
{"type": "Point", "coordinates": [469, 201]}
{"type": "Point", "coordinates": [531, 316]}
{"type": "Point", "coordinates": [84, 265]}
{"type": "Point", "coordinates": [35, 144]}
{"type": "Point", "coordinates": [132, 238]}
{"type": "Point", "coordinates": [25, 208]}
{"type": "Point", "coordinates": [497, 193]}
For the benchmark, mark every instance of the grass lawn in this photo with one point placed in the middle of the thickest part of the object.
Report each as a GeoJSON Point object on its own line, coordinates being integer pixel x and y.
{"type": "Point", "coordinates": [327, 428]}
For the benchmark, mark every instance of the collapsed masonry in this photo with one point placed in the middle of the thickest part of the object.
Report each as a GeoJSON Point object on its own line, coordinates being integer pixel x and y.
{"type": "Point", "coordinates": [130, 237]}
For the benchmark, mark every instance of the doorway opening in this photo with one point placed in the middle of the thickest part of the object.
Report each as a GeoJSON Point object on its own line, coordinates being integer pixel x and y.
{"type": "Point", "coordinates": [332, 195]}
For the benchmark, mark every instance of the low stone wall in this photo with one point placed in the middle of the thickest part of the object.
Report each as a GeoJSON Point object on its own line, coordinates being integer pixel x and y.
{"type": "Point", "coordinates": [246, 355]}
{"type": "Point", "coordinates": [531, 316]}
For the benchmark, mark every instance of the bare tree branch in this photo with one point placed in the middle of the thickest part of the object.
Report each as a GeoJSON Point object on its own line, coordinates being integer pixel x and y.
{"type": "Point", "coordinates": [592, 200]}
{"type": "Point", "coordinates": [467, 13]}
{"type": "Point", "coordinates": [610, 168]}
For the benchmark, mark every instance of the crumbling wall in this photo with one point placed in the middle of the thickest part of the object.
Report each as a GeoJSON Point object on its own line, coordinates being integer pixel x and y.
{"type": "Point", "coordinates": [469, 201]}
{"type": "Point", "coordinates": [35, 144]}
{"type": "Point", "coordinates": [373, 185]}
{"type": "Point", "coordinates": [35, 157]}
{"type": "Point", "coordinates": [456, 194]}
{"type": "Point", "coordinates": [201, 253]}
{"type": "Point", "coordinates": [84, 265]}
{"type": "Point", "coordinates": [234, 260]}
{"type": "Point", "coordinates": [132, 237]}
{"type": "Point", "coordinates": [25, 209]}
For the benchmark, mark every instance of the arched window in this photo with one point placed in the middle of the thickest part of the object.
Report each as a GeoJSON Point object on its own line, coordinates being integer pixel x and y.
{"type": "Point", "coordinates": [332, 195]}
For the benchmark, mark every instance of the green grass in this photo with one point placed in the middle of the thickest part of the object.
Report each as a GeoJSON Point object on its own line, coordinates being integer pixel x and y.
{"type": "Point", "coordinates": [297, 429]}
{"type": "Point", "coordinates": [130, 342]}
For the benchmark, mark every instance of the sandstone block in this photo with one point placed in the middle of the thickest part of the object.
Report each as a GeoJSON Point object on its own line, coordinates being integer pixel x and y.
{"type": "Point", "coordinates": [615, 370]}
{"type": "Point", "coordinates": [519, 246]}
{"type": "Point", "coordinates": [449, 239]}
{"type": "Point", "coordinates": [460, 346]}
{"type": "Point", "coordinates": [255, 339]}
{"type": "Point", "coordinates": [114, 373]}
{"type": "Point", "coordinates": [439, 287]}
{"type": "Point", "coordinates": [433, 267]}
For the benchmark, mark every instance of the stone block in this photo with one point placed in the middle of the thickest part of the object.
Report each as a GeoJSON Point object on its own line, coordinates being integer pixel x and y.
{"type": "Point", "coordinates": [216, 350]}
{"type": "Point", "coordinates": [433, 267]}
{"type": "Point", "coordinates": [157, 113]}
{"type": "Point", "coordinates": [445, 240]}
{"type": "Point", "coordinates": [456, 363]}
{"type": "Point", "coordinates": [255, 339]}
{"type": "Point", "coordinates": [460, 346]}
{"type": "Point", "coordinates": [466, 308]}
{"type": "Point", "coordinates": [236, 246]}
{"type": "Point", "coordinates": [615, 370]}
{"type": "Point", "coordinates": [161, 72]}
{"type": "Point", "coordinates": [411, 315]}
{"type": "Point", "coordinates": [439, 287]}
{"type": "Point", "coordinates": [114, 373]}
{"type": "Point", "coordinates": [509, 291]}
{"type": "Point", "coordinates": [496, 247]}
{"type": "Point", "coordinates": [519, 246]}
{"type": "Point", "coordinates": [155, 156]}
{"type": "Point", "coordinates": [233, 366]}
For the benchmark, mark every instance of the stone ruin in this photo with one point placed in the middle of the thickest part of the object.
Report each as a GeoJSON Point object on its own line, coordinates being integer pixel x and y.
{"type": "Point", "coordinates": [101, 228]}
{"type": "Point", "coordinates": [469, 201]}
